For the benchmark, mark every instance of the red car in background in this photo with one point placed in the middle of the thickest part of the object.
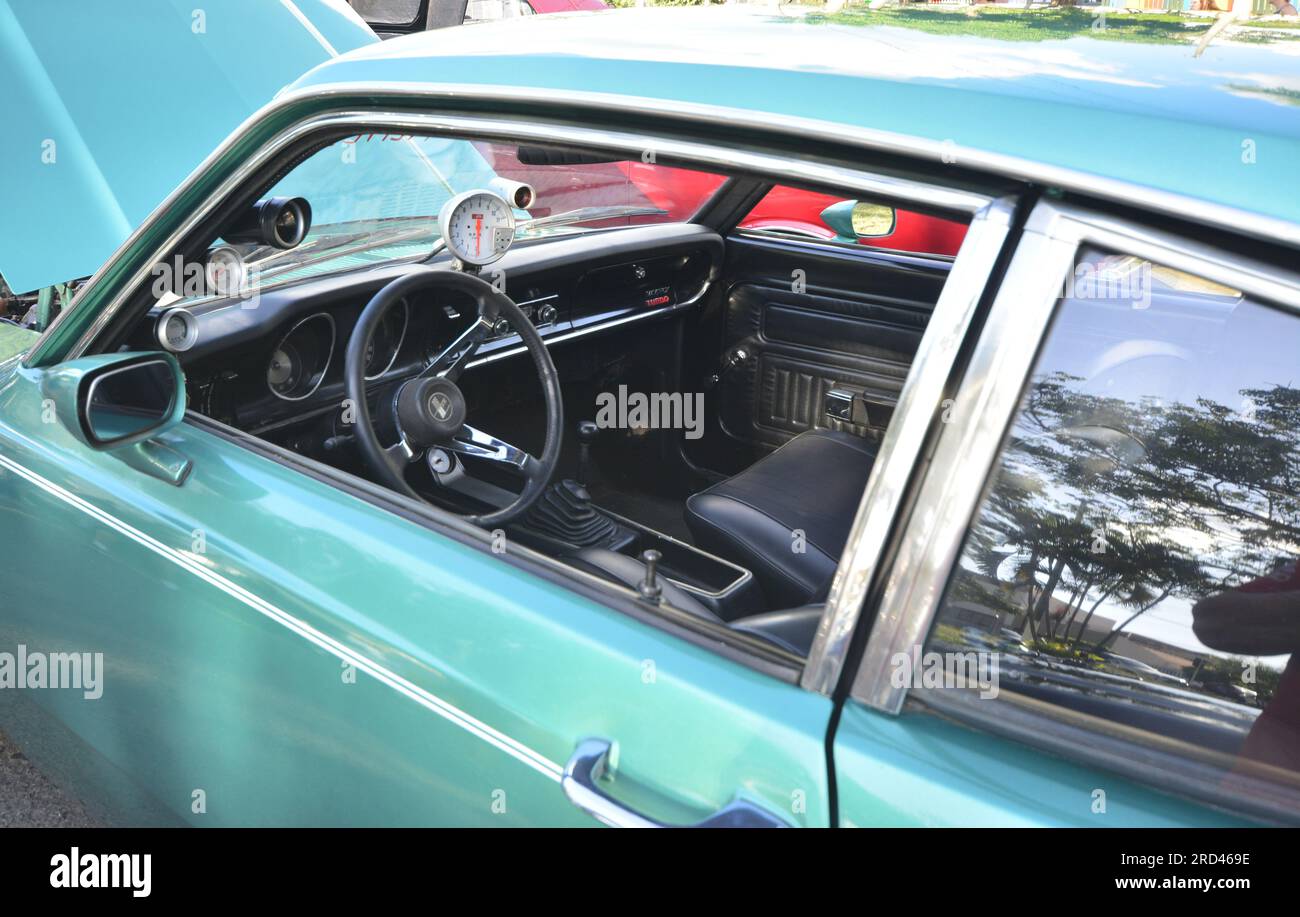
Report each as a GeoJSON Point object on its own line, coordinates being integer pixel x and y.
{"type": "Point", "coordinates": [793, 210]}
{"type": "Point", "coordinates": [650, 192]}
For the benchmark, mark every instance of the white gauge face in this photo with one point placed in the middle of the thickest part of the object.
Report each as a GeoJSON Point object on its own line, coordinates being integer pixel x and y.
{"type": "Point", "coordinates": [478, 226]}
{"type": "Point", "coordinates": [178, 330]}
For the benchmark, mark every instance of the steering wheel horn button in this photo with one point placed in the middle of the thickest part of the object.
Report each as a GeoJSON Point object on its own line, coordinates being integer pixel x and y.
{"type": "Point", "coordinates": [430, 410]}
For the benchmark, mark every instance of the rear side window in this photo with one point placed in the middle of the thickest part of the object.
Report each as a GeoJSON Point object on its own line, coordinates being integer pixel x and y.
{"type": "Point", "coordinates": [1135, 555]}
{"type": "Point", "coordinates": [812, 215]}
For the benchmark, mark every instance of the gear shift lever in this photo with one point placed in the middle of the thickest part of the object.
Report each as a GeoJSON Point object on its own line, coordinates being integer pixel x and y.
{"type": "Point", "coordinates": [565, 513]}
{"type": "Point", "coordinates": [587, 433]}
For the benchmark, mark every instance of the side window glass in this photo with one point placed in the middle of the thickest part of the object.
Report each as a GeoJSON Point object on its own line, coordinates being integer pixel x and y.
{"type": "Point", "coordinates": [1135, 555]}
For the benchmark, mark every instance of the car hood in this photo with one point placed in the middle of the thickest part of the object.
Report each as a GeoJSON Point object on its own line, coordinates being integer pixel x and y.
{"type": "Point", "coordinates": [110, 105]}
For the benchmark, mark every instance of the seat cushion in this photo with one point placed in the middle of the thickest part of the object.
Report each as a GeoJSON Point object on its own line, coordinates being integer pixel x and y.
{"type": "Point", "coordinates": [792, 629]}
{"type": "Point", "coordinates": [812, 484]}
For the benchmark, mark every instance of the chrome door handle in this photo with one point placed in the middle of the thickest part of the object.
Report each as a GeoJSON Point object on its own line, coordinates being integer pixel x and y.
{"type": "Point", "coordinates": [590, 762]}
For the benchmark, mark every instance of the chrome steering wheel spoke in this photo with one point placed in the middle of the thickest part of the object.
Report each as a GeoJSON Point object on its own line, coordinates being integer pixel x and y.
{"type": "Point", "coordinates": [473, 442]}
{"type": "Point", "coordinates": [402, 453]}
{"type": "Point", "coordinates": [451, 362]}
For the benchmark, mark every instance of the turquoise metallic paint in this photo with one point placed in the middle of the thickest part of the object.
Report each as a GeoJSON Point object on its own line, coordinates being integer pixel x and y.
{"type": "Point", "coordinates": [1151, 114]}
{"type": "Point", "coordinates": [133, 98]}
{"type": "Point", "coordinates": [279, 738]}
{"type": "Point", "coordinates": [205, 691]}
{"type": "Point", "coordinates": [918, 770]}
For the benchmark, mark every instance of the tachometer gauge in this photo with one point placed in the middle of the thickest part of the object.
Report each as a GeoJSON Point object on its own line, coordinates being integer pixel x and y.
{"type": "Point", "coordinates": [477, 226]}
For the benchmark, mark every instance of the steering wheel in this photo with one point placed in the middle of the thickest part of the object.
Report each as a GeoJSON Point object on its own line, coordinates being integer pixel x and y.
{"type": "Point", "coordinates": [428, 411]}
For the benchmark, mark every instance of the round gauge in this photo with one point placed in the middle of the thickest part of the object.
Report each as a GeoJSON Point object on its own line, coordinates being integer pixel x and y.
{"type": "Point", "coordinates": [478, 226]}
{"type": "Point", "coordinates": [284, 370]}
{"type": "Point", "coordinates": [177, 330]}
{"type": "Point", "coordinates": [225, 271]}
{"type": "Point", "coordinates": [298, 363]}
{"type": "Point", "coordinates": [384, 344]}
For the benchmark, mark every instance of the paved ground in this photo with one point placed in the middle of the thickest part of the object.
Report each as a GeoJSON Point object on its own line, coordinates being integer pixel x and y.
{"type": "Point", "coordinates": [29, 800]}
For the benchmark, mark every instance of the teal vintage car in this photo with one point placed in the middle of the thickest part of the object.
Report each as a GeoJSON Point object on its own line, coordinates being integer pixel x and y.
{"type": "Point", "coordinates": [389, 494]}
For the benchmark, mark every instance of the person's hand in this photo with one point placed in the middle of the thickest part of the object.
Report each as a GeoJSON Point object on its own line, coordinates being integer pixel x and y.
{"type": "Point", "coordinates": [1259, 619]}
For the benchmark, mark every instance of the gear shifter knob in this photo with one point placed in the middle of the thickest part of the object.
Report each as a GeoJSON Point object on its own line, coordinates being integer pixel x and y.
{"type": "Point", "coordinates": [587, 433]}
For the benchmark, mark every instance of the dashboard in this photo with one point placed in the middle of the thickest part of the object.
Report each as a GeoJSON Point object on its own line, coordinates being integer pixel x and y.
{"type": "Point", "coordinates": [265, 363]}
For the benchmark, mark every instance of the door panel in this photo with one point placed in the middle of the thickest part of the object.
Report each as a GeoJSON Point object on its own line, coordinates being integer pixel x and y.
{"type": "Point", "coordinates": [304, 657]}
{"type": "Point", "coordinates": [918, 770]}
{"type": "Point", "coordinates": [812, 318]}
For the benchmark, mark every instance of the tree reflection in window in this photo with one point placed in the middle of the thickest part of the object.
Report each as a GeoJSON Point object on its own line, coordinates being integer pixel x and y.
{"type": "Point", "coordinates": [1135, 554]}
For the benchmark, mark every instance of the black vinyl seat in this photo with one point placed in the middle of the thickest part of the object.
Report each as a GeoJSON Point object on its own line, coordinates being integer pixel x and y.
{"type": "Point", "coordinates": [811, 484]}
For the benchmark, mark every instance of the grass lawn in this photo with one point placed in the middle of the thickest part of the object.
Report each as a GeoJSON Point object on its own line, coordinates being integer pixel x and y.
{"type": "Point", "coordinates": [1042, 24]}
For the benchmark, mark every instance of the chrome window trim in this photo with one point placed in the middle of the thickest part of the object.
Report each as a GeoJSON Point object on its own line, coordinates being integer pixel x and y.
{"type": "Point", "coordinates": [986, 401]}
{"type": "Point", "coordinates": [919, 407]}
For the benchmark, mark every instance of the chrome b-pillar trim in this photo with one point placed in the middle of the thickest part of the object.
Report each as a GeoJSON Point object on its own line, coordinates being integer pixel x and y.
{"type": "Point", "coordinates": [975, 423]}
{"type": "Point", "coordinates": [919, 407]}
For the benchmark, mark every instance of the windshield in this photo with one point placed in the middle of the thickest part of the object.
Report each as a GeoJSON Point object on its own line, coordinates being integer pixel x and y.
{"type": "Point", "coordinates": [376, 198]}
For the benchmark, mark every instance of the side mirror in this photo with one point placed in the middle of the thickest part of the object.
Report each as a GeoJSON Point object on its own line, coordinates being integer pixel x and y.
{"type": "Point", "coordinates": [854, 220]}
{"type": "Point", "coordinates": [110, 401]}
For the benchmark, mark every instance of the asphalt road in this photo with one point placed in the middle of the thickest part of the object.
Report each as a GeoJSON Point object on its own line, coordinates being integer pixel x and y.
{"type": "Point", "coordinates": [29, 800]}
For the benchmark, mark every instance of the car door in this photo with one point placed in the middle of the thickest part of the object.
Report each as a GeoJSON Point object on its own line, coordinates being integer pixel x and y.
{"type": "Point", "coordinates": [279, 649]}
{"type": "Point", "coordinates": [1092, 610]}
{"type": "Point", "coordinates": [814, 333]}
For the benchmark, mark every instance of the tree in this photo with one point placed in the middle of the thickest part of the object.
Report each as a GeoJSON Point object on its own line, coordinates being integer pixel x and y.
{"type": "Point", "coordinates": [1132, 502]}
